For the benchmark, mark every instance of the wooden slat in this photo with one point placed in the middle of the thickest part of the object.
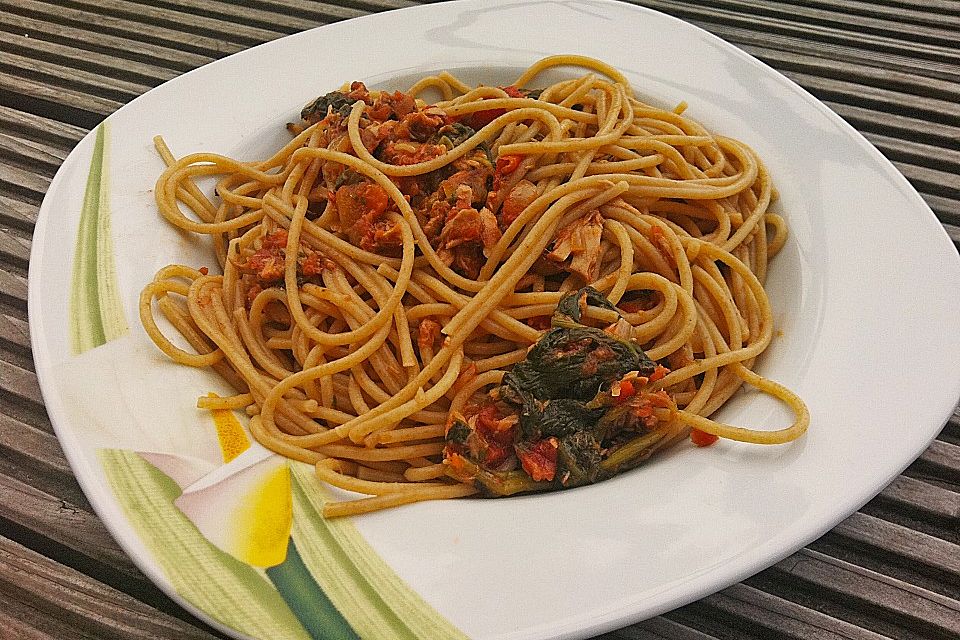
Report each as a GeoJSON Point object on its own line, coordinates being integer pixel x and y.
{"type": "Point", "coordinates": [37, 128]}
{"type": "Point", "coordinates": [85, 59]}
{"type": "Point", "coordinates": [33, 447]}
{"type": "Point", "coordinates": [706, 16]}
{"type": "Point", "coordinates": [942, 455]}
{"type": "Point", "coordinates": [15, 332]}
{"type": "Point", "coordinates": [933, 181]}
{"type": "Point", "coordinates": [24, 180]}
{"type": "Point", "coordinates": [925, 13]}
{"type": "Point", "coordinates": [14, 248]}
{"type": "Point", "coordinates": [199, 35]}
{"type": "Point", "coordinates": [151, 13]}
{"type": "Point", "coordinates": [37, 97]}
{"type": "Point", "coordinates": [78, 79]}
{"type": "Point", "coordinates": [119, 47]}
{"type": "Point", "coordinates": [946, 161]}
{"type": "Point", "coordinates": [927, 498]}
{"type": "Point", "coordinates": [756, 41]}
{"type": "Point", "coordinates": [63, 523]}
{"type": "Point", "coordinates": [55, 601]}
{"type": "Point", "coordinates": [901, 541]}
{"type": "Point", "coordinates": [32, 156]}
{"type": "Point", "coordinates": [782, 618]}
{"type": "Point", "coordinates": [289, 21]}
{"type": "Point", "coordinates": [857, 72]}
{"type": "Point", "coordinates": [947, 210]}
{"type": "Point", "coordinates": [883, 100]}
{"type": "Point", "coordinates": [898, 125]}
{"type": "Point", "coordinates": [14, 211]}
{"type": "Point", "coordinates": [13, 286]}
{"type": "Point", "coordinates": [323, 12]}
{"type": "Point", "coordinates": [26, 623]}
{"type": "Point", "coordinates": [935, 7]}
{"type": "Point", "coordinates": [938, 34]}
{"type": "Point", "coordinates": [923, 610]}
{"type": "Point", "coordinates": [20, 382]}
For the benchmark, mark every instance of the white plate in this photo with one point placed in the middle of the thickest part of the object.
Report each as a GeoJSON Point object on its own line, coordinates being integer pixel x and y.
{"type": "Point", "coordinates": [865, 298]}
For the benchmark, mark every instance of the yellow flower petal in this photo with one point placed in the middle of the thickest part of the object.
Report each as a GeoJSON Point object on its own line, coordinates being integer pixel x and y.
{"type": "Point", "coordinates": [248, 511]}
{"type": "Point", "coordinates": [265, 517]}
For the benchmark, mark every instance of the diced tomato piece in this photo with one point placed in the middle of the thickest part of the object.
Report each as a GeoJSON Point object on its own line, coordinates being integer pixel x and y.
{"type": "Point", "coordinates": [493, 454]}
{"type": "Point", "coordinates": [627, 390]}
{"type": "Point", "coordinates": [702, 438]}
{"type": "Point", "coordinates": [508, 164]}
{"type": "Point", "coordinates": [539, 459]}
{"type": "Point", "coordinates": [513, 92]}
{"type": "Point", "coordinates": [493, 425]}
{"type": "Point", "coordinates": [353, 201]}
{"type": "Point", "coordinates": [480, 119]}
{"type": "Point", "coordinates": [520, 196]}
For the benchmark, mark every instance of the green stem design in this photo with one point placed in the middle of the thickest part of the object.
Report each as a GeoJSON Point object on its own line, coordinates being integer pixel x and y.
{"type": "Point", "coordinates": [96, 314]}
{"type": "Point", "coordinates": [372, 597]}
{"type": "Point", "coordinates": [307, 601]}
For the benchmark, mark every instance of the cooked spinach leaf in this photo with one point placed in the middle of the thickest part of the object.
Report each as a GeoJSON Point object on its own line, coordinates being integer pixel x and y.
{"type": "Point", "coordinates": [337, 101]}
{"type": "Point", "coordinates": [570, 307]}
{"type": "Point", "coordinates": [451, 135]}
{"type": "Point", "coordinates": [578, 459]}
{"type": "Point", "coordinates": [561, 393]}
{"type": "Point", "coordinates": [575, 363]}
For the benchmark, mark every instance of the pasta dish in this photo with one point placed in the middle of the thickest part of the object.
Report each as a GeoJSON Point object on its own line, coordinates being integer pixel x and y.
{"type": "Point", "coordinates": [504, 290]}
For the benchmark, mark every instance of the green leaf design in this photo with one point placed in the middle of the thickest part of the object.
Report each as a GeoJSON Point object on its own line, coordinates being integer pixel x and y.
{"type": "Point", "coordinates": [218, 584]}
{"type": "Point", "coordinates": [307, 600]}
{"type": "Point", "coordinates": [96, 314]}
{"type": "Point", "coordinates": [372, 597]}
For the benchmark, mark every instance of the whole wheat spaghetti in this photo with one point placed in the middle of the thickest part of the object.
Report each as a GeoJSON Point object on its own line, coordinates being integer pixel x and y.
{"type": "Point", "coordinates": [384, 275]}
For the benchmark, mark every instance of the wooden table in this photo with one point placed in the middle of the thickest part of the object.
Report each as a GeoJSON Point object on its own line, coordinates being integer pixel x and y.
{"type": "Point", "coordinates": [891, 69]}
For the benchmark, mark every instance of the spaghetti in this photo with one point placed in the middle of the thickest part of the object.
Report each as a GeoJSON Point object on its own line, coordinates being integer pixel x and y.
{"type": "Point", "coordinates": [386, 273]}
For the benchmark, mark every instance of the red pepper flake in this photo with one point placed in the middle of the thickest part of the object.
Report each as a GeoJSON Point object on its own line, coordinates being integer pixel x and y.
{"type": "Point", "coordinates": [702, 438]}
{"type": "Point", "coordinates": [204, 270]}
